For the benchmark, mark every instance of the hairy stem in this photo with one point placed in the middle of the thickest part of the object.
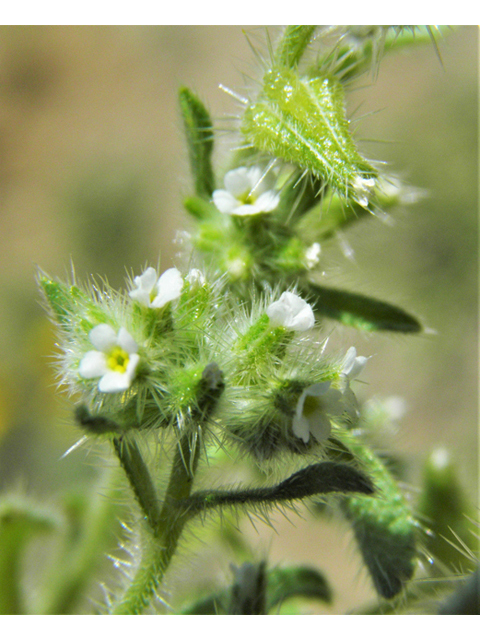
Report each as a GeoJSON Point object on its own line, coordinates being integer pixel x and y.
{"type": "Point", "coordinates": [139, 477]}
{"type": "Point", "coordinates": [166, 532]}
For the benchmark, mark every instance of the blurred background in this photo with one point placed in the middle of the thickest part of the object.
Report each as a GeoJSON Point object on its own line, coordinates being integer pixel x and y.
{"type": "Point", "coordinates": [93, 170]}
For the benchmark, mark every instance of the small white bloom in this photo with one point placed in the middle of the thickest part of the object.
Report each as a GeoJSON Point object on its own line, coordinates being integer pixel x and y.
{"type": "Point", "coordinates": [247, 192]}
{"type": "Point", "coordinates": [195, 278]}
{"type": "Point", "coordinates": [316, 405]}
{"type": "Point", "coordinates": [291, 312]}
{"type": "Point", "coordinates": [115, 360]}
{"type": "Point", "coordinates": [312, 255]}
{"type": "Point", "coordinates": [155, 292]}
{"type": "Point", "coordinates": [362, 190]}
{"type": "Point", "coordinates": [353, 365]}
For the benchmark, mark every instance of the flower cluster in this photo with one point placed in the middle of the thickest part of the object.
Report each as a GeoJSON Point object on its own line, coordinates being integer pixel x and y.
{"type": "Point", "coordinates": [157, 342]}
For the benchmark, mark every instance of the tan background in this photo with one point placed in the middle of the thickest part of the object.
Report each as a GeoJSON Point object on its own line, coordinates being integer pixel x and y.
{"type": "Point", "coordinates": [92, 170]}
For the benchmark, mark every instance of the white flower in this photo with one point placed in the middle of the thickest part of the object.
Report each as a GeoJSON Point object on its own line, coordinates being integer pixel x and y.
{"type": "Point", "coordinates": [353, 365]}
{"type": "Point", "coordinates": [291, 312]}
{"type": "Point", "coordinates": [315, 406]}
{"type": "Point", "coordinates": [246, 193]}
{"type": "Point", "coordinates": [155, 292]}
{"type": "Point", "coordinates": [114, 361]}
{"type": "Point", "coordinates": [319, 403]}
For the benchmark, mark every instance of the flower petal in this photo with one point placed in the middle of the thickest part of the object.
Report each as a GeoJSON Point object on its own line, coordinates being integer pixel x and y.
{"type": "Point", "coordinates": [267, 201]}
{"type": "Point", "coordinates": [145, 284]}
{"type": "Point", "coordinates": [126, 342]}
{"type": "Point", "coordinates": [132, 366]}
{"type": "Point", "coordinates": [113, 382]}
{"type": "Point", "coordinates": [301, 428]}
{"type": "Point", "coordinates": [224, 201]}
{"type": "Point", "coordinates": [245, 210]}
{"type": "Point", "coordinates": [304, 320]}
{"type": "Point", "coordinates": [147, 280]}
{"type": "Point", "coordinates": [93, 365]}
{"type": "Point", "coordinates": [291, 312]}
{"type": "Point", "coordinates": [316, 390]}
{"type": "Point", "coordinates": [169, 287]}
{"type": "Point", "coordinates": [353, 365]}
{"type": "Point", "coordinates": [242, 180]}
{"type": "Point", "coordinates": [103, 337]}
{"type": "Point", "coordinates": [320, 426]}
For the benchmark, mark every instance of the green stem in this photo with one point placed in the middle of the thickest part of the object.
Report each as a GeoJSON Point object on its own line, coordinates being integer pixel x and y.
{"type": "Point", "coordinates": [139, 477]}
{"type": "Point", "coordinates": [166, 532]}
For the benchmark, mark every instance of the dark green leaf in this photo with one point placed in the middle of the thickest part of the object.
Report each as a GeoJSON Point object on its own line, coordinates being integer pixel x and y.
{"type": "Point", "coordinates": [320, 478]}
{"type": "Point", "coordinates": [359, 311]}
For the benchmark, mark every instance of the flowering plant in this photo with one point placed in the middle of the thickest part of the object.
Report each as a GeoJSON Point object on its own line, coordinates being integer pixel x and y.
{"type": "Point", "coordinates": [226, 356]}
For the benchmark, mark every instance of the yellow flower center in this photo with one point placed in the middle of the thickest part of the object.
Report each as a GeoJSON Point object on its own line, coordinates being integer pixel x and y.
{"type": "Point", "coordinates": [247, 198]}
{"type": "Point", "coordinates": [118, 360]}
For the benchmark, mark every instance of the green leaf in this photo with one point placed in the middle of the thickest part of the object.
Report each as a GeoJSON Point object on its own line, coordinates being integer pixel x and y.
{"type": "Point", "coordinates": [291, 47]}
{"type": "Point", "coordinates": [292, 582]}
{"type": "Point", "coordinates": [383, 524]}
{"type": "Point", "coordinates": [302, 121]}
{"type": "Point", "coordinates": [359, 311]}
{"type": "Point", "coordinates": [320, 478]}
{"type": "Point", "coordinates": [199, 132]}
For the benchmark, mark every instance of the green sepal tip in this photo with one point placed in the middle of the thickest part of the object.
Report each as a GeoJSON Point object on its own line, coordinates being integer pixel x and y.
{"type": "Point", "coordinates": [199, 133]}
